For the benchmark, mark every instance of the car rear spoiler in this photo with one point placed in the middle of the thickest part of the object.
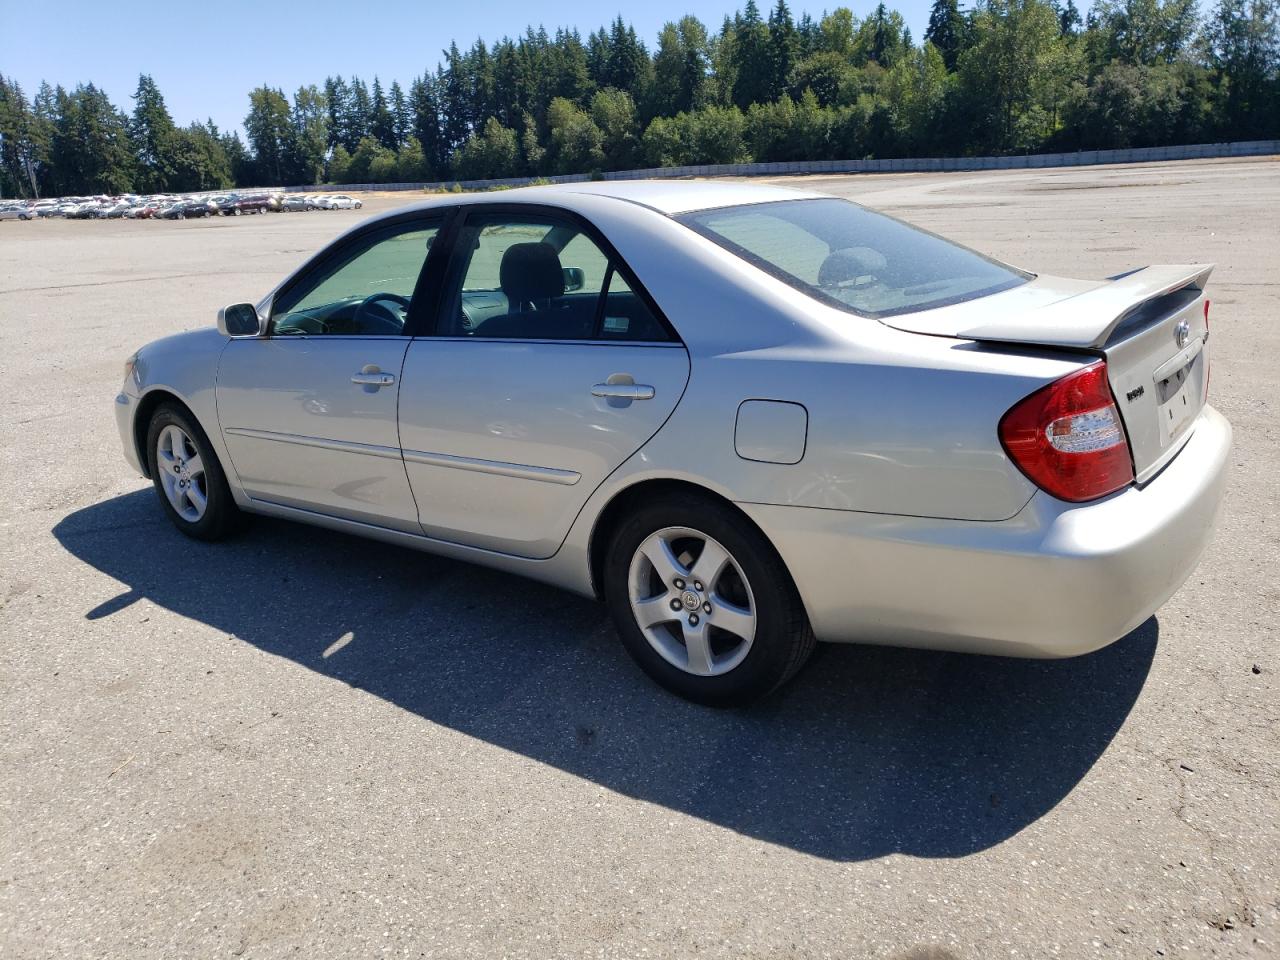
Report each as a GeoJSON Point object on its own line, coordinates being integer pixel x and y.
{"type": "Point", "coordinates": [1085, 321]}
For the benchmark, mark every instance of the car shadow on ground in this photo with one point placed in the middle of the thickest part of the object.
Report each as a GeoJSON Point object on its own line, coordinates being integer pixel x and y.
{"type": "Point", "coordinates": [870, 751]}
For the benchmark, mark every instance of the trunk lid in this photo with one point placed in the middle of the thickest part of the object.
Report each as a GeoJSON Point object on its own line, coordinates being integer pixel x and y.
{"type": "Point", "coordinates": [1149, 324]}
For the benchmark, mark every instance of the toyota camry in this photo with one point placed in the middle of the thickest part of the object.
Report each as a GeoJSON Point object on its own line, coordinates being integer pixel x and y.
{"type": "Point", "coordinates": [747, 418]}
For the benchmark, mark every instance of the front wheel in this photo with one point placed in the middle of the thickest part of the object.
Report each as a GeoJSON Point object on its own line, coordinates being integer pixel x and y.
{"type": "Point", "coordinates": [187, 476]}
{"type": "Point", "coordinates": [703, 602]}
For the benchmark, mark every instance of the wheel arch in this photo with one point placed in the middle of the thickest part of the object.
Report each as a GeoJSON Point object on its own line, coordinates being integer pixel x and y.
{"type": "Point", "coordinates": [629, 497]}
{"type": "Point", "coordinates": [147, 406]}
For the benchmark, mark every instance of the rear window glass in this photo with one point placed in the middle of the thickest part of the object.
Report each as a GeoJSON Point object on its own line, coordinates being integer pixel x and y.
{"type": "Point", "coordinates": [850, 257]}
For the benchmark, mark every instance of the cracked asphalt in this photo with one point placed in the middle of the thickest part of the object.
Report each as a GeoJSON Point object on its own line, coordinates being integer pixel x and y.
{"type": "Point", "coordinates": [300, 744]}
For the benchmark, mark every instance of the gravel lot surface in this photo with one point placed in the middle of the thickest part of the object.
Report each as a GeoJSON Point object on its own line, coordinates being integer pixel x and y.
{"type": "Point", "coordinates": [302, 744]}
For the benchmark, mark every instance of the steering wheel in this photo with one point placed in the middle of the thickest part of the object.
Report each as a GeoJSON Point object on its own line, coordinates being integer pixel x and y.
{"type": "Point", "coordinates": [372, 316]}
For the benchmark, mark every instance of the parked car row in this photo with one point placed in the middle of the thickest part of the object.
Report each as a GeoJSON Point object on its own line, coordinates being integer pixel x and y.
{"type": "Point", "coordinates": [170, 207]}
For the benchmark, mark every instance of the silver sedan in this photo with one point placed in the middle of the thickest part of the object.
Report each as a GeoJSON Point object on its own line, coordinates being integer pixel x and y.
{"type": "Point", "coordinates": [745, 417]}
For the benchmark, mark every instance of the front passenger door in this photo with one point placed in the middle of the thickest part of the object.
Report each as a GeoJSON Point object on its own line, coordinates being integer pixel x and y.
{"type": "Point", "coordinates": [308, 412]}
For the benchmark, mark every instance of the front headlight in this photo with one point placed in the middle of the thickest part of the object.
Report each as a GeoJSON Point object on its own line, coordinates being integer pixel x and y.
{"type": "Point", "coordinates": [131, 367]}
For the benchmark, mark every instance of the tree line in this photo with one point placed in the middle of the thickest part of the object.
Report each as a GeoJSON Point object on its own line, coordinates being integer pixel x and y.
{"type": "Point", "coordinates": [1008, 76]}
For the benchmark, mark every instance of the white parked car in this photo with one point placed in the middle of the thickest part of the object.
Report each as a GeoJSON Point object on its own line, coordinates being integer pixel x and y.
{"type": "Point", "coordinates": [743, 416]}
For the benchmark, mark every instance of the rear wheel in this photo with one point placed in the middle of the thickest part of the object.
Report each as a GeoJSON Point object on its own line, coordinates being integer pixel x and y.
{"type": "Point", "coordinates": [187, 476]}
{"type": "Point", "coordinates": [703, 602]}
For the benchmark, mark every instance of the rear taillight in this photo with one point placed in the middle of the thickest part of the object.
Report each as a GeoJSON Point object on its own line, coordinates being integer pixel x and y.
{"type": "Point", "coordinates": [1068, 437]}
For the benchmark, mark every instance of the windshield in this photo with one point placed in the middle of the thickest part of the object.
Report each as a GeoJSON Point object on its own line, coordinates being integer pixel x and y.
{"type": "Point", "coordinates": [852, 258]}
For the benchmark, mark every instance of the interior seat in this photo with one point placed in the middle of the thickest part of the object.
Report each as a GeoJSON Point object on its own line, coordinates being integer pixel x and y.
{"type": "Point", "coordinates": [532, 280]}
{"type": "Point", "coordinates": [851, 266]}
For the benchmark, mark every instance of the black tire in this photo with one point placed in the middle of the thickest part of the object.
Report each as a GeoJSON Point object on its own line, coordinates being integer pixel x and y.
{"type": "Point", "coordinates": [783, 639]}
{"type": "Point", "coordinates": [221, 515]}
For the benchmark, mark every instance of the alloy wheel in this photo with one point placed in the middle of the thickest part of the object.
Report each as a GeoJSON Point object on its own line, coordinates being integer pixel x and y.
{"type": "Point", "coordinates": [691, 601]}
{"type": "Point", "coordinates": [182, 473]}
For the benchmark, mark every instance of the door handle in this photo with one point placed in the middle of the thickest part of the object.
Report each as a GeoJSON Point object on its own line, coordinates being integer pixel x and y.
{"type": "Point", "coordinates": [374, 379]}
{"type": "Point", "coordinates": [623, 391]}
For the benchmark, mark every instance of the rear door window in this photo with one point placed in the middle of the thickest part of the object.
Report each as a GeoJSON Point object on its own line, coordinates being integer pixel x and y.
{"type": "Point", "coordinates": [539, 277]}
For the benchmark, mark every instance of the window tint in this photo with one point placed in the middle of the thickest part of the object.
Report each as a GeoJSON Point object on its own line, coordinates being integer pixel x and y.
{"type": "Point", "coordinates": [852, 258]}
{"type": "Point", "coordinates": [626, 316]}
{"type": "Point", "coordinates": [541, 278]}
{"type": "Point", "coordinates": [366, 293]}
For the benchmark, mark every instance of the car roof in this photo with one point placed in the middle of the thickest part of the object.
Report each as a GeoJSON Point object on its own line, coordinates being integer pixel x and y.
{"type": "Point", "coordinates": [682, 196]}
{"type": "Point", "coordinates": [668, 197]}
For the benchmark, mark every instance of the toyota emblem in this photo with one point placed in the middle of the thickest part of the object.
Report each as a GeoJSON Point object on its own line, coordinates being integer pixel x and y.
{"type": "Point", "coordinates": [1182, 333]}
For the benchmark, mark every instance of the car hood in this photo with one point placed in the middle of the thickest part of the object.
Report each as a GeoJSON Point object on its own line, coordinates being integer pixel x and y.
{"type": "Point", "coordinates": [1054, 311]}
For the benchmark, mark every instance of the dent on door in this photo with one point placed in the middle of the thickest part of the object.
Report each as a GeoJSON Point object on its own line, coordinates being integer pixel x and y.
{"type": "Point", "coordinates": [505, 441]}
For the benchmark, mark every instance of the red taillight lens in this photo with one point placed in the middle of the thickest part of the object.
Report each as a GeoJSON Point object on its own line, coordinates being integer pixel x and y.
{"type": "Point", "coordinates": [1068, 437]}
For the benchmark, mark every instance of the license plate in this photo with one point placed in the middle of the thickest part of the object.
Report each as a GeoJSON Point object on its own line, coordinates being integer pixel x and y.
{"type": "Point", "coordinates": [1180, 399]}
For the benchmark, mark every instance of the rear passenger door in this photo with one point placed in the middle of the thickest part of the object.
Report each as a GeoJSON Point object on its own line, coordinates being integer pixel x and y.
{"type": "Point", "coordinates": [549, 367]}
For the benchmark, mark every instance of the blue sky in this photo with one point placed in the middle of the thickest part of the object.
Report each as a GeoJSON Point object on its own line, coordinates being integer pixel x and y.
{"type": "Point", "coordinates": [205, 66]}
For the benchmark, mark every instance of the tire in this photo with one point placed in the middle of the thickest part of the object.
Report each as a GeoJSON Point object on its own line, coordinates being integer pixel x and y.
{"type": "Point", "coordinates": [688, 650]}
{"type": "Point", "coordinates": [219, 515]}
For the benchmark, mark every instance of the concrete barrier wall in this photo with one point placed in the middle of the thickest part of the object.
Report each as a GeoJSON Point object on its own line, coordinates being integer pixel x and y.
{"type": "Point", "coordinates": [1196, 151]}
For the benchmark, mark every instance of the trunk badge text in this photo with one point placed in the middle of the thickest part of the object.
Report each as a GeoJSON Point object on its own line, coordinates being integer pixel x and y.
{"type": "Point", "coordinates": [1134, 394]}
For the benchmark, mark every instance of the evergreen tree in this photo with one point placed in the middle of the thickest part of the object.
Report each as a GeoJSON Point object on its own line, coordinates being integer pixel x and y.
{"type": "Point", "coordinates": [15, 124]}
{"type": "Point", "coordinates": [783, 49]}
{"type": "Point", "coordinates": [358, 119]}
{"type": "Point", "coordinates": [40, 139]}
{"type": "Point", "coordinates": [337, 96]}
{"type": "Point", "coordinates": [382, 124]}
{"type": "Point", "coordinates": [401, 119]}
{"type": "Point", "coordinates": [508, 90]}
{"type": "Point", "coordinates": [455, 102]}
{"type": "Point", "coordinates": [153, 134]}
{"type": "Point", "coordinates": [945, 30]}
{"type": "Point", "coordinates": [238, 160]}
{"type": "Point", "coordinates": [752, 59]}
{"type": "Point", "coordinates": [480, 83]}
{"type": "Point", "coordinates": [91, 148]}
{"type": "Point", "coordinates": [424, 107]}
{"type": "Point", "coordinates": [1069, 20]}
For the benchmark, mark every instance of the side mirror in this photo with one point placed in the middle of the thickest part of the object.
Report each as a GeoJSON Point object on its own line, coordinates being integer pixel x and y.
{"type": "Point", "coordinates": [574, 279]}
{"type": "Point", "coordinates": [239, 320]}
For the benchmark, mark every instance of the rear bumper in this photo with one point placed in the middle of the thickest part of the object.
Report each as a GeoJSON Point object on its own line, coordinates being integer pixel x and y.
{"type": "Point", "coordinates": [1057, 580]}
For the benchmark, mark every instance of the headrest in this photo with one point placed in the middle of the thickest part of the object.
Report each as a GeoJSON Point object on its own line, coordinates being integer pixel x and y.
{"type": "Point", "coordinates": [850, 264]}
{"type": "Point", "coordinates": [531, 271]}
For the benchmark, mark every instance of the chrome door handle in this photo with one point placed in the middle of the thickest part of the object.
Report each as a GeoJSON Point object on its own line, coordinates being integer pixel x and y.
{"type": "Point", "coordinates": [623, 391]}
{"type": "Point", "coordinates": [374, 379]}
